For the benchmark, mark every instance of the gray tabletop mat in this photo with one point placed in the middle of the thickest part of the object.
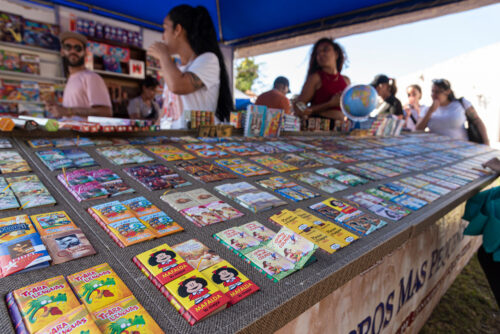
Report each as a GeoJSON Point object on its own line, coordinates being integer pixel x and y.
{"type": "Point", "coordinates": [265, 311]}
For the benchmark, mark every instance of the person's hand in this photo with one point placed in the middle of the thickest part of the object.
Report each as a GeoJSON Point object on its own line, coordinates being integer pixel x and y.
{"type": "Point", "coordinates": [57, 111]}
{"type": "Point", "coordinates": [158, 50]}
{"type": "Point", "coordinates": [435, 104]}
{"type": "Point", "coordinates": [493, 164]}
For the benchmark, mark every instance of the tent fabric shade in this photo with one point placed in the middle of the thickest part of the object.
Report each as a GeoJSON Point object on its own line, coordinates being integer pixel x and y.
{"type": "Point", "coordinates": [241, 23]}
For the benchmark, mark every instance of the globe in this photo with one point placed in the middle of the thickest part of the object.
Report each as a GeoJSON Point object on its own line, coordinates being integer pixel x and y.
{"type": "Point", "coordinates": [357, 102]}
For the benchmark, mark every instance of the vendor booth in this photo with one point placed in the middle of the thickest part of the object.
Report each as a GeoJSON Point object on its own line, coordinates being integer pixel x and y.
{"type": "Point", "coordinates": [145, 231]}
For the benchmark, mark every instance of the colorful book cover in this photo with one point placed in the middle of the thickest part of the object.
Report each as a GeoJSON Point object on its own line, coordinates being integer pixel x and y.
{"type": "Point", "coordinates": [55, 159]}
{"type": "Point", "coordinates": [162, 264]}
{"type": "Point", "coordinates": [179, 200]}
{"type": "Point", "coordinates": [238, 240]}
{"type": "Point", "coordinates": [230, 281]}
{"type": "Point", "coordinates": [30, 191]}
{"type": "Point", "coordinates": [68, 245]}
{"type": "Point", "coordinates": [7, 198]}
{"type": "Point", "coordinates": [12, 162]}
{"type": "Point", "coordinates": [43, 302]}
{"type": "Point", "coordinates": [197, 254]}
{"type": "Point", "coordinates": [169, 152]}
{"type": "Point", "coordinates": [201, 216]}
{"type": "Point", "coordinates": [98, 286]}
{"type": "Point", "coordinates": [112, 212]}
{"type": "Point", "coordinates": [224, 210]}
{"type": "Point", "coordinates": [79, 157]}
{"type": "Point", "coordinates": [15, 314]}
{"type": "Point", "coordinates": [272, 122]}
{"type": "Point", "coordinates": [140, 206]}
{"type": "Point", "coordinates": [258, 231]}
{"type": "Point", "coordinates": [197, 295]}
{"type": "Point", "coordinates": [12, 228]}
{"type": "Point", "coordinates": [52, 222]}
{"type": "Point", "coordinates": [75, 321]}
{"type": "Point", "coordinates": [130, 231]}
{"type": "Point", "coordinates": [126, 316]}
{"type": "Point", "coordinates": [292, 246]}
{"type": "Point", "coordinates": [22, 253]}
{"type": "Point", "coordinates": [273, 163]}
{"type": "Point", "coordinates": [271, 263]}
{"type": "Point", "coordinates": [161, 224]}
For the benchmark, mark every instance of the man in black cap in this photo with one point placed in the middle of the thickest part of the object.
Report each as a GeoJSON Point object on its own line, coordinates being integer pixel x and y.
{"type": "Point", "coordinates": [276, 97]}
{"type": "Point", "coordinates": [85, 93]}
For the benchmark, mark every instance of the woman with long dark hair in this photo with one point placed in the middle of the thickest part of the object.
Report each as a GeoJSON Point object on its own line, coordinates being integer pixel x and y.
{"type": "Point", "coordinates": [447, 114]}
{"type": "Point", "coordinates": [201, 80]}
{"type": "Point", "coordinates": [324, 84]}
{"type": "Point", "coordinates": [386, 88]}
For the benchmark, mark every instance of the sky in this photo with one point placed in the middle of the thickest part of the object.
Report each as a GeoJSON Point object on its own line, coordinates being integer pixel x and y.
{"type": "Point", "coordinates": [395, 51]}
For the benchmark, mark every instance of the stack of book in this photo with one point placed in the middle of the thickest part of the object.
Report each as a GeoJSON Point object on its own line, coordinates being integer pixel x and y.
{"type": "Point", "coordinates": [204, 171]}
{"type": "Point", "coordinates": [291, 123]}
{"type": "Point", "coordinates": [24, 192]}
{"type": "Point", "coordinates": [157, 177]}
{"type": "Point", "coordinates": [133, 221]}
{"type": "Point", "coordinates": [198, 288]}
{"type": "Point", "coordinates": [249, 196]}
{"type": "Point", "coordinates": [55, 305]}
{"type": "Point", "coordinates": [276, 255]}
{"type": "Point", "coordinates": [57, 159]}
{"type": "Point", "coordinates": [201, 207]}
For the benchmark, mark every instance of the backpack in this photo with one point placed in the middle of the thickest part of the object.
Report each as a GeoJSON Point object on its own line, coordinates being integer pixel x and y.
{"type": "Point", "coordinates": [472, 130]}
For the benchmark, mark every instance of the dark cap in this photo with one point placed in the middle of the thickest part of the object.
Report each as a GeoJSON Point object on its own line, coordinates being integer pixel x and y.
{"type": "Point", "coordinates": [70, 34]}
{"type": "Point", "coordinates": [282, 81]}
{"type": "Point", "coordinates": [380, 79]}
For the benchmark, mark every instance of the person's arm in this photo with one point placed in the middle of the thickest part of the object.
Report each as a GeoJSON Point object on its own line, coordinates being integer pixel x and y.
{"type": "Point", "coordinates": [58, 111]}
{"type": "Point", "coordinates": [422, 123]}
{"type": "Point", "coordinates": [178, 82]}
{"type": "Point", "coordinates": [474, 117]}
{"type": "Point", "coordinates": [133, 109]}
{"type": "Point", "coordinates": [493, 164]}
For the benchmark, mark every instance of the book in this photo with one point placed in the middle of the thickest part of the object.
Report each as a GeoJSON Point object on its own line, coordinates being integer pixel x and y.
{"type": "Point", "coordinates": [162, 264]}
{"type": "Point", "coordinates": [197, 254]}
{"type": "Point", "coordinates": [68, 245]}
{"type": "Point", "coordinates": [196, 297]}
{"type": "Point", "coordinates": [98, 286]}
{"type": "Point", "coordinates": [12, 162]}
{"type": "Point", "coordinates": [204, 171]}
{"type": "Point", "coordinates": [75, 321]}
{"type": "Point", "coordinates": [230, 281]}
{"type": "Point", "coordinates": [30, 191]}
{"type": "Point", "coordinates": [273, 163]}
{"type": "Point", "coordinates": [125, 316]}
{"type": "Point", "coordinates": [15, 314]}
{"type": "Point", "coordinates": [123, 155]}
{"type": "Point", "coordinates": [7, 198]}
{"type": "Point", "coordinates": [287, 188]}
{"type": "Point", "coordinates": [169, 152]}
{"type": "Point", "coordinates": [249, 196]}
{"type": "Point", "coordinates": [52, 223]}
{"type": "Point", "coordinates": [43, 302]}
{"type": "Point", "coordinates": [319, 182]}
{"type": "Point", "coordinates": [241, 167]}
{"type": "Point", "coordinates": [156, 177]}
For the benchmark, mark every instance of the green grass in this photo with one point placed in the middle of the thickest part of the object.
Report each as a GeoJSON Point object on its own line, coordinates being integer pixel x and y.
{"type": "Point", "coordinates": [467, 307]}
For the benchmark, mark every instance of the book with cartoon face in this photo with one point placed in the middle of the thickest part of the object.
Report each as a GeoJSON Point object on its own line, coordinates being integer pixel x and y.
{"type": "Point", "coordinates": [231, 281]}
{"type": "Point", "coordinates": [43, 302]}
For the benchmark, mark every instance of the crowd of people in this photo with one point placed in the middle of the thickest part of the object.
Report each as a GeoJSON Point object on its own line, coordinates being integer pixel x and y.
{"type": "Point", "coordinates": [198, 80]}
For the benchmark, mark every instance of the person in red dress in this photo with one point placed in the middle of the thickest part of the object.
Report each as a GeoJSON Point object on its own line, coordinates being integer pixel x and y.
{"type": "Point", "coordinates": [320, 96]}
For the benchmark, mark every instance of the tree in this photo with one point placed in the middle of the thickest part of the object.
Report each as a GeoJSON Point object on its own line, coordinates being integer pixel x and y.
{"type": "Point", "coordinates": [247, 72]}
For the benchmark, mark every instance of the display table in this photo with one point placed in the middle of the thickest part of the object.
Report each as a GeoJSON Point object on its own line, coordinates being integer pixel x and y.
{"type": "Point", "coordinates": [341, 281]}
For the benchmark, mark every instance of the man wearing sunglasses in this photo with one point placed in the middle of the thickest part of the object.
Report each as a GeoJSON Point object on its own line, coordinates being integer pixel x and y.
{"type": "Point", "coordinates": [85, 93]}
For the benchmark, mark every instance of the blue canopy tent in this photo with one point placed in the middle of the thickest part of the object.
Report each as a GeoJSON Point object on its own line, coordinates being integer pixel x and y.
{"type": "Point", "coordinates": [246, 23]}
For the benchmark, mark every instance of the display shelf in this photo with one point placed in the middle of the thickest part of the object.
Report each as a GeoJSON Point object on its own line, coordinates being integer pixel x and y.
{"type": "Point", "coordinates": [34, 77]}
{"type": "Point", "coordinates": [30, 48]}
{"type": "Point", "coordinates": [118, 75]}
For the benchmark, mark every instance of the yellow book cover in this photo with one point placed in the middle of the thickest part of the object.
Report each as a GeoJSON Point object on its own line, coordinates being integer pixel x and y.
{"type": "Point", "coordinates": [112, 212]}
{"type": "Point", "coordinates": [342, 235]}
{"type": "Point", "coordinates": [126, 316]}
{"type": "Point", "coordinates": [98, 287]}
{"type": "Point", "coordinates": [14, 227]}
{"type": "Point", "coordinates": [198, 296]}
{"type": "Point", "coordinates": [76, 321]}
{"type": "Point", "coordinates": [163, 263]}
{"type": "Point", "coordinates": [43, 302]}
{"type": "Point", "coordinates": [230, 281]}
{"type": "Point", "coordinates": [306, 229]}
{"type": "Point", "coordinates": [53, 222]}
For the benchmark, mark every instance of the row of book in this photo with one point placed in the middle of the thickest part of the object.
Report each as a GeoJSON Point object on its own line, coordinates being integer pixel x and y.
{"type": "Point", "coordinates": [91, 301]}
{"type": "Point", "coordinates": [23, 192]}
{"type": "Point", "coordinates": [133, 221]}
{"type": "Point", "coordinates": [28, 243]}
{"type": "Point", "coordinates": [201, 207]}
{"type": "Point", "coordinates": [194, 279]}
{"type": "Point", "coordinates": [19, 62]}
{"type": "Point", "coordinates": [12, 162]}
{"type": "Point", "coordinates": [276, 255]}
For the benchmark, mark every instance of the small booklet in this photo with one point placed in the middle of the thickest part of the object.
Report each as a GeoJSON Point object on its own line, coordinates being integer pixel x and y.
{"type": "Point", "coordinates": [249, 196]}
{"type": "Point", "coordinates": [43, 302]}
{"type": "Point", "coordinates": [75, 321]}
{"type": "Point", "coordinates": [12, 162]}
{"type": "Point", "coordinates": [30, 191]}
{"type": "Point", "coordinates": [197, 254]}
{"type": "Point", "coordinates": [169, 152]}
{"type": "Point", "coordinates": [98, 286]}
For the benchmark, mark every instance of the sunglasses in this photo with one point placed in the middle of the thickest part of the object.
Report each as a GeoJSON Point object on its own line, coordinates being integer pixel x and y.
{"type": "Point", "coordinates": [76, 47]}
